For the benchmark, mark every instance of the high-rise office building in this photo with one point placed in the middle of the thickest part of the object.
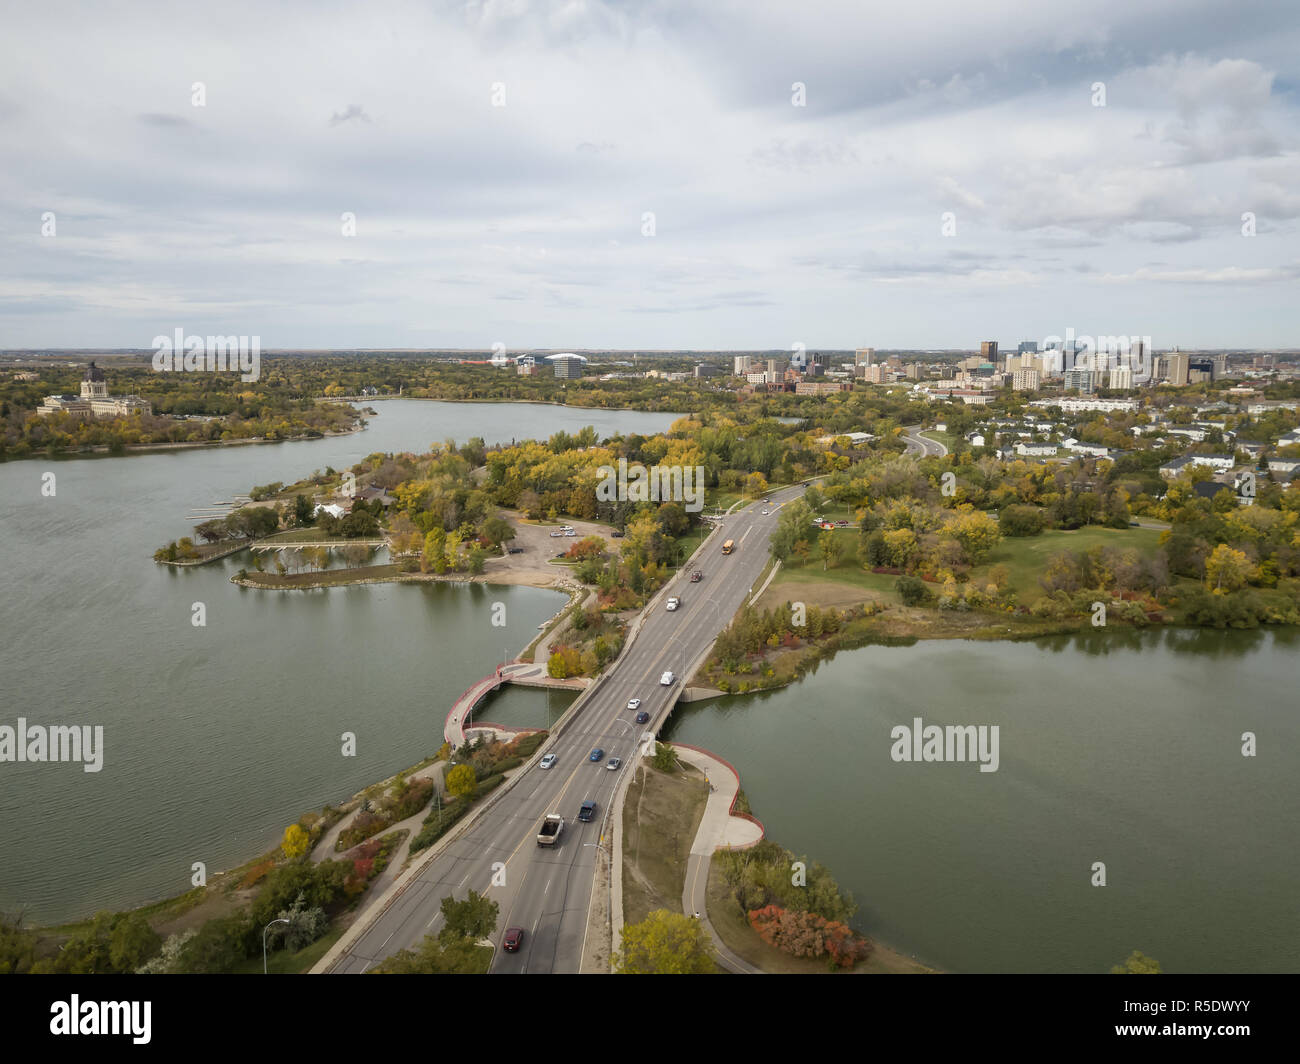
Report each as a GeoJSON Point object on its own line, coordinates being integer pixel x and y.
{"type": "Point", "coordinates": [1121, 378]}
{"type": "Point", "coordinates": [1177, 365]}
{"type": "Point", "coordinates": [864, 356]}
{"type": "Point", "coordinates": [742, 364]}
{"type": "Point", "coordinates": [1027, 347]}
{"type": "Point", "coordinates": [989, 351]}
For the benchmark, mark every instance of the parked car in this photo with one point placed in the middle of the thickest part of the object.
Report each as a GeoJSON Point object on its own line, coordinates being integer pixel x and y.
{"type": "Point", "coordinates": [614, 763]}
{"type": "Point", "coordinates": [841, 524]}
{"type": "Point", "coordinates": [556, 535]}
{"type": "Point", "coordinates": [634, 703]}
{"type": "Point", "coordinates": [548, 761]}
{"type": "Point", "coordinates": [642, 717]}
{"type": "Point", "coordinates": [696, 577]}
{"type": "Point", "coordinates": [587, 811]}
{"type": "Point", "coordinates": [514, 938]}
{"type": "Point", "coordinates": [673, 603]}
{"type": "Point", "coordinates": [597, 755]}
{"type": "Point", "coordinates": [616, 535]}
{"type": "Point", "coordinates": [570, 533]}
{"type": "Point", "coordinates": [666, 679]}
{"type": "Point", "coordinates": [514, 550]}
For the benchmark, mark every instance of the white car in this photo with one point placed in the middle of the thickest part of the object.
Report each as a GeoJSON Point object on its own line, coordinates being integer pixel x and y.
{"type": "Point", "coordinates": [634, 703]}
{"type": "Point", "coordinates": [548, 761]}
{"type": "Point", "coordinates": [766, 512]}
{"type": "Point", "coordinates": [673, 603]}
{"type": "Point", "coordinates": [554, 534]}
{"type": "Point", "coordinates": [666, 679]}
{"type": "Point", "coordinates": [570, 533]}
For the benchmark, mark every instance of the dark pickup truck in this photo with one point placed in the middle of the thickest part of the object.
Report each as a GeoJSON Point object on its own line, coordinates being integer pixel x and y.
{"type": "Point", "coordinates": [587, 811]}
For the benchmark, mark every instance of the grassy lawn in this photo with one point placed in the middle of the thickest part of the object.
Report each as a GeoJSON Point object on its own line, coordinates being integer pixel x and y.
{"type": "Point", "coordinates": [326, 578]}
{"type": "Point", "coordinates": [1026, 558]}
{"type": "Point", "coordinates": [661, 815]}
{"type": "Point", "coordinates": [946, 438]}
{"type": "Point", "coordinates": [849, 572]}
{"type": "Point", "coordinates": [691, 541]}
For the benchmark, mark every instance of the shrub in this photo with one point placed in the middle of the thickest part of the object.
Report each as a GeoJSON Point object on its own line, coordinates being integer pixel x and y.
{"type": "Point", "coordinates": [484, 786]}
{"type": "Point", "coordinates": [437, 823]}
{"type": "Point", "coordinates": [912, 591]}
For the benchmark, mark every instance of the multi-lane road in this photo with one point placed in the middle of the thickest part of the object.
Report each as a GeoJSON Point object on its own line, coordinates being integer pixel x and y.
{"type": "Point", "coordinates": [548, 891]}
{"type": "Point", "coordinates": [922, 445]}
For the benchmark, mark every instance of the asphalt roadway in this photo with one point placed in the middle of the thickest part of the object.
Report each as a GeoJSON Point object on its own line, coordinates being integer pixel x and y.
{"type": "Point", "coordinates": [547, 891]}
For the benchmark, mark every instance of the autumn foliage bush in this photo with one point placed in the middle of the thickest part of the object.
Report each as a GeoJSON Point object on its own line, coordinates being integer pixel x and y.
{"type": "Point", "coordinates": [805, 934]}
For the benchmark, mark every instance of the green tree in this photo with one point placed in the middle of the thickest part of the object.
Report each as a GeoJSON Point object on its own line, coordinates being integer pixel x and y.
{"type": "Point", "coordinates": [461, 780]}
{"type": "Point", "coordinates": [665, 943]}
{"type": "Point", "coordinates": [831, 549]}
{"type": "Point", "coordinates": [132, 942]}
{"type": "Point", "coordinates": [496, 531]}
{"type": "Point", "coordinates": [665, 757]}
{"type": "Point", "coordinates": [791, 526]}
{"type": "Point", "coordinates": [475, 917]}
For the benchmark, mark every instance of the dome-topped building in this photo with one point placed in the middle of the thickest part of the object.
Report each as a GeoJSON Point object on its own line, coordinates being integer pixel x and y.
{"type": "Point", "coordinates": [94, 400]}
{"type": "Point", "coordinates": [94, 385]}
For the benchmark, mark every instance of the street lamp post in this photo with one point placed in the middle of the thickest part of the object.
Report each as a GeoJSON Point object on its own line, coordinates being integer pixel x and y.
{"type": "Point", "coordinates": [267, 928]}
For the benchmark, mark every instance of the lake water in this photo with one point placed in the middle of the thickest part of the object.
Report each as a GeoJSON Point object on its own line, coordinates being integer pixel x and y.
{"type": "Point", "coordinates": [1118, 747]}
{"type": "Point", "coordinates": [217, 737]}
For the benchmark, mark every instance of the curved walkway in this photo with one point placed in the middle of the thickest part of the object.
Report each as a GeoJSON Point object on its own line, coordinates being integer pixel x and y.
{"type": "Point", "coordinates": [720, 829]}
{"type": "Point", "coordinates": [521, 672]}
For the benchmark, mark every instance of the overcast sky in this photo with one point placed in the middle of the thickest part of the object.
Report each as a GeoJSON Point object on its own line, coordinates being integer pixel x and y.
{"type": "Point", "coordinates": [773, 223]}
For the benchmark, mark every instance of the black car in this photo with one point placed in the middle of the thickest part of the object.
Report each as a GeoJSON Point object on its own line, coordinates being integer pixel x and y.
{"type": "Point", "coordinates": [515, 550]}
{"type": "Point", "coordinates": [616, 535]}
{"type": "Point", "coordinates": [587, 811]}
{"type": "Point", "coordinates": [642, 717]}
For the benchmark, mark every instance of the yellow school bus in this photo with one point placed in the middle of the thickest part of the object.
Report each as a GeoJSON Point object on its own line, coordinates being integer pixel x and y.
{"type": "Point", "coordinates": [729, 546]}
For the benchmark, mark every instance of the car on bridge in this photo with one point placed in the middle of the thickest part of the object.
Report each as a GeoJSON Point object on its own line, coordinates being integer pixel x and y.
{"type": "Point", "coordinates": [614, 763]}
{"type": "Point", "coordinates": [666, 680]}
{"type": "Point", "coordinates": [547, 761]}
{"type": "Point", "coordinates": [597, 755]}
{"type": "Point", "coordinates": [696, 576]}
{"type": "Point", "coordinates": [673, 603]}
{"type": "Point", "coordinates": [514, 938]}
{"type": "Point", "coordinates": [642, 717]}
{"type": "Point", "coordinates": [634, 703]}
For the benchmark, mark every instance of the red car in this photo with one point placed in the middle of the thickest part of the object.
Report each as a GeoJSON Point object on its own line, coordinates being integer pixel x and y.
{"type": "Point", "coordinates": [514, 938]}
{"type": "Point", "coordinates": [696, 577]}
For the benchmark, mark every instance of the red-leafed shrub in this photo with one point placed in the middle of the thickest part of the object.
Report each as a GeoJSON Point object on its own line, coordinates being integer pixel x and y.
{"type": "Point", "coordinates": [805, 934]}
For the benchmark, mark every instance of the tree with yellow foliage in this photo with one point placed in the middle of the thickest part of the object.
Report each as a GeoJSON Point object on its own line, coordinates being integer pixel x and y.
{"type": "Point", "coordinates": [295, 843]}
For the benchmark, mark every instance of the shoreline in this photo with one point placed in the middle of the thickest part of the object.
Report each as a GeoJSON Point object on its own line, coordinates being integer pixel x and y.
{"type": "Point", "coordinates": [103, 450]}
